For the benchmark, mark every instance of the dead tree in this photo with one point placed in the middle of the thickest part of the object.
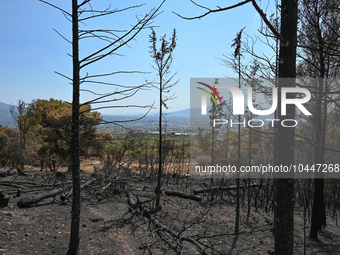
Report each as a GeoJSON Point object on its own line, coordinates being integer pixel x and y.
{"type": "Point", "coordinates": [162, 64]}
{"type": "Point", "coordinates": [319, 51]}
{"type": "Point", "coordinates": [238, 54]}
{"type": "Point", "coordinates": [284, 216]}
{"type": "Point", "coordinates": [284, 196]}
{"type": "Point", "coordinates": [115, 39]}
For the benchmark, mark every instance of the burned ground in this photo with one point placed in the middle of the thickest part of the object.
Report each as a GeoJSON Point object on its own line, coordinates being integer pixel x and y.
{"type": "Point", "coordinates": [111, 225]}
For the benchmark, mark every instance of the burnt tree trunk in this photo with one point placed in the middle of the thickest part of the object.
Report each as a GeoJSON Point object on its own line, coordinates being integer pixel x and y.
{"type": "Point", "coordinates": [319, 210]}
{"type": "Point", "coordinates": [75, 149]}
{"type": "Point", "coordinates": [284, 196]}
{"type": "Point", "coordinates": [160, 147]}
{"type": "Point", "coordinates": [4, 199]}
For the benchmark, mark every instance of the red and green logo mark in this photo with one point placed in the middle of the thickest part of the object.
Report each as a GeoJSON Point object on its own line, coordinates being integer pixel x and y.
{"type": "Point", "coordinates": [209, 93]}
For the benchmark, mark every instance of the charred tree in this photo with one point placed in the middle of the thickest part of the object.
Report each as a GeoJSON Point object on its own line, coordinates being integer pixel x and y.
{"type": "Point", "coordinates": [284, 195]}
{"type": "Point", "coordinates": [162, 59]}
{"type": "Point", "coordinates": [114, 39]}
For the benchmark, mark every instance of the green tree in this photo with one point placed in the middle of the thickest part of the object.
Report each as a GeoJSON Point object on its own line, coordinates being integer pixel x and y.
{"type": "Point", "coordinates": [52, 124]}
{"type": "Point", "coordinates": [10, 154]}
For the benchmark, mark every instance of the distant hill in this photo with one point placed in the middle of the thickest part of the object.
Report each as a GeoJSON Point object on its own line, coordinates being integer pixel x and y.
{"type": "Point", "coordinates": [181, 113]}
{"type": "Point", "coordinates": [5, 114]}
{"type": "Point", "coordinates": [4, 106]}
{"type": "Point", "coordinates": [6, 117]}
{"type": "Point", "coordinates": [176, 120]}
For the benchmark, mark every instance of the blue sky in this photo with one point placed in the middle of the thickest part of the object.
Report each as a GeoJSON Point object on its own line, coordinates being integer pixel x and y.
{"type": "Point", "coordinates": [31, 51]}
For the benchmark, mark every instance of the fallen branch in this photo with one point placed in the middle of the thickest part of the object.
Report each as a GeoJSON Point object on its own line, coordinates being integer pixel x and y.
{"type": "Point", "coordinates": [182, 195]}
{"type": "Point", "coordinates": [165, 228]}
{"type": "Point", "coordinates": [103, 189]}
{"type": "Point", "coordinates": [23, 191]}
{"type": "Point", "coordinates": [69, 193]}
{"type": "Point", "coordinates": [146, 212]}
{"type": "Point", "coordinates": [131, 202]}
{"type": "Point", "coordinates": [10, 185]}
{"type": "Point", "coordinates": [26, 202]}
{"type": "Point", "coordinates": [33, 184]}
{"type": "Point", "coordinates": [4, 172]}
{"type": "Point", "coordinates": [177, 235]}
{"type": "Point", "coordinates": [222, 188]}
{"type": "Point", "coordinates": [4, 182]}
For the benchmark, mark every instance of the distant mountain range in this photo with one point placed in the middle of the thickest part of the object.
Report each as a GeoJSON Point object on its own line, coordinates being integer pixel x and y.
{"type": "Point", "coordinates": [179, 120]}
{"type": "Point", "coordinates": [6, 117]}
{"type": "Point", "coordinates": [182, 115]}
{"type": "Point", "coordinates": [5, 114]}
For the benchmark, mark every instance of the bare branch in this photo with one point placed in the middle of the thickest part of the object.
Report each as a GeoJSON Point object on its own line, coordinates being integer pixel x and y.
{"type": "Point", "coordinates": [95, 101]}
{"type": "Point", "coordinates": [103, 34]}
{"type": "Point", "coordinates": [63, 76]}
{"type": "Point", "coordinates": [104, 13]}
{"type": "Point", "coordinates": [308, 141]}
{"type": "Point", "coordinates": [56, 7]}
{"type": "Point", "coordinates": [145, 86]}
{"type": "Point", "coordinates": [142, 23]}
{"type": "Point", "coordinates": [120, 106]}
{"type": "Point", "coordinates": [129, 92]}
{"type": "Point", "coordinates": [83, 3]}
{"type": "Point", "coordinates": [212, 11]}
{"type": "Point", "coordinates": [62, 36]}
{"type": "Point", "coordinates": [264, 18]}
{"type": "Point", "coordinates": [117, 72]}
{"type": "Point", "coordinates": [66, 17]}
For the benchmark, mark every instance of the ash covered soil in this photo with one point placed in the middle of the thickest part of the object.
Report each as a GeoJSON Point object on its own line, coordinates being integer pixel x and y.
{"type": "Point", "coordinates": [109, 225]}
